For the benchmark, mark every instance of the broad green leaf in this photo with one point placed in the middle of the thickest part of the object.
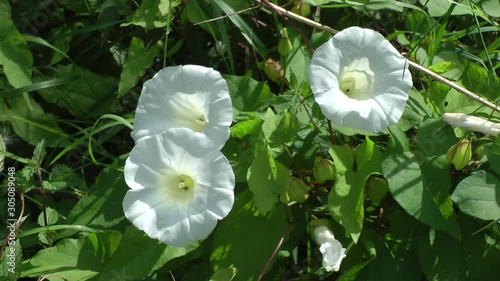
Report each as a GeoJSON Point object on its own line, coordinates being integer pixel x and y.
{"type": "Point", "coordinates": [153, 14]}
{"type": "Point", "coordinates": [478, 196]}
{"type": "Point", "coordinates": [245, 239]}
{"type": "Point", "coordinates": [441, 256]}
{"type": "Point", "coordinates": [73, 259]}
{"type": "Point", "coordinates": [267, 178]}
{"type": "Point", "coordinates": [493, 154]}
{"type": "Point", "coordinates": [138, 60]}
{"type": "Point", "coordinates": [443, 66]}
{"type": "Point", "coordinates": [415, 111]}
{"type": "Point", "coordinates": [345, 200]}
{"type": "Point", "coordinates": [317, 2]}
{"type": "Point", "coordinates": [33, 124]}
{"type": "Point", "coordinates": [88, 96]}
{"type": "Point", "coordinates": [434, 138]}
{"type": "Point", "coordinates": [298, 61]}
{"type": "Point", "coordinates": [407, 186]}
{"type": "Point", "coordinates": [101, 207]}
{"type": "Point", "coordinates": [245, 128]}
{"type": "Point", "coordinates": [248, 94]}
{"type": "Point", "coordinates": [225, 274]}
{"type": "Point", "coordinates": [15, 55]}
{"type": "Point", "coordinates": [138, 255]}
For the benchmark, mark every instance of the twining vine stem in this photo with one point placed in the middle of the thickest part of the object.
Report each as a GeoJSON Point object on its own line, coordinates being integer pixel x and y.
{"type": "Point", "coordinates": [437, 77]}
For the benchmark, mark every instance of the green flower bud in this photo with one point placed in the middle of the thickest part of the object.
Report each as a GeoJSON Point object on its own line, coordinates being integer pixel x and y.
{"type": "Point", "coordinates": [297, 190]}
{"type": "Point", "coordinates": [324, 170]}
{"type": "Point", "coordinates": [302, 8]}
{"type": "Point", "coordinates": [273, 70]}
{"type": "Point", "coordinates": [460, 154]}
{"type": "Point", "coordinates": [285, 45]}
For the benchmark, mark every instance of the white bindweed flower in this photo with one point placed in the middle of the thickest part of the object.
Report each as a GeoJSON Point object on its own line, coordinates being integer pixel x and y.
{"type": "Point", "coordinates": [332, 250]}
{"type": "Point", "coordinates": [188, 96]}
{"type": "Point", "coordinates": [472, 123]}
{"type": "Point", "coordinates": [180, 185]}
{"type": "Point", "coordinates": [360, 80]}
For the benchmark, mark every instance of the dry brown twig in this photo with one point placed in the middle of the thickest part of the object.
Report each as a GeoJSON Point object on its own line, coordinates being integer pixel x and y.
{"type": "Point", "coordinates": [412, 64]}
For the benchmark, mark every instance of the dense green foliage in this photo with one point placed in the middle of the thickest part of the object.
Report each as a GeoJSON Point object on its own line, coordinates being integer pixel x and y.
{"type": "Point", "coordinates": [70, 76]}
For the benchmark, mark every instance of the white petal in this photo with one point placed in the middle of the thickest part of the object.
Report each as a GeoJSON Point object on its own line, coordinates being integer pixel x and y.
{"type": "Point", "coordinates": [163, 208]}
{"type": "Point", "coordinates": [187, 96]}
{"type": "Point", "coordinates": [363, 51]}
{"type": "Point", "coordinates": [472, 123]}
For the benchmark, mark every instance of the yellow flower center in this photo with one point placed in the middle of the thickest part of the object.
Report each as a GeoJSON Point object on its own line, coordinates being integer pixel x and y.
{"type": "Point", "coordinates": [179, 188]}
{"type": "Point", "coordinates": [357, 79]}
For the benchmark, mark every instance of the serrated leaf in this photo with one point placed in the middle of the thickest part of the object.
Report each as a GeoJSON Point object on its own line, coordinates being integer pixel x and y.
{"type": "Point", "coordinates": [138, 60]}
{"type": "Point", "coordinates": [47, 237]}
{"type": "Point", "coordinates": [52, 217]}
{"type": "Point", "coordinates": [62, 177]}
{"type": "Point", "coordinates": [477, 196]}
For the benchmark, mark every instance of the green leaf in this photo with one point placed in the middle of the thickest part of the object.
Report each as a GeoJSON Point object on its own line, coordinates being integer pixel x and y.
{"type": "Point", "coordinates": [52, 217]}
{"type": "Point", "coordinates": [406, 184]}
{"type": "Point", "coordinates": [318, 2]}
{"type": "Point", "coordinates": [137, 256]}
{"type": "Point", "coordinates": [15, 55]}
{"type": "Point", "coordinates": [248, 94]}
{"type": "Point", "coordinates": [89, 96]}
{"type": "Point", "coordinates": [153, 14]}
{"type": "Point", "coordinates": [101, 207]}
{"type": "Point", "coordinates": [245, 29]}
{"type": "Point", "coordinates": [138, 60]}
{"type": "Point", "coordinates": [245, 128]}
{"type": "Point", "coordinates": [434, 138]}
{"type": "Point", "coordinates": [33, 124]}
{"type": "Point", "coordinates": [267, 178]}
{"type": "Point", "coordinates": [493, 154]}
{"type": "Point", "coordinates": [73, 259]}
{"type": "Point", "coordinates": [237, 240]}
{"type": "Point", "coordinates": [62, 177]}
{"type": "Point", "coordinates": [225, 274]}
{"type": "Point", "coordinates": [345, 200]}
{"type": "Point", "coordinates": [39, 153]}
{"type": "Point", "coordinates": [11, 261]}
{"type": "Point", "coordinates": [478, 196]}
{"type": "Point", "coordinates": [441, 256]}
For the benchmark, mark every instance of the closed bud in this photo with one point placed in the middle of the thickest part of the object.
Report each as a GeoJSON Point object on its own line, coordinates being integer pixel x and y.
{"type": "Point", "coordinates": [324, 170]}
{"type": "Point", "coordinates": [472, 123]}
{"type": "Point", "coordinates": [285, 45]}
{"type": "Point", "coordinates": [460, 154]}
{"type": "Point", "coordinates": [273, 70]}
{"type": "Point", "coordinates": [297, 190]}
{"type": "Point", "coordinates": [302, 8]}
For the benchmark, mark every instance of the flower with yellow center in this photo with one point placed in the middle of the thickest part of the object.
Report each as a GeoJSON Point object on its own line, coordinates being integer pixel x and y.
{"type": "Point", "coordinates": [189, 96]}
{"type": "Point", "coordinates": [180, 186]}
{"type": "Point", "coordinates": [360, 80]}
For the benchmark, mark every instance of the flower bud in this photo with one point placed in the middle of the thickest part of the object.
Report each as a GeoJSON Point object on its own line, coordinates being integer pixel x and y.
{"type": "Point", "coordinates": [301, 8]}
{"type": "Point", "coordinates": [331, 249]}
{"type": "Point", "coordinates": [324, 170]}
{"type": "Point", "coordinates": [460, 154]}
{"type": "Point", "coordinates": [285, 45]}
{"type": "Point", "coordinates": [472, 123]}
{"type": "Point", "coordinates": [273, 70]}
{"type": "Point", "coordinates": [298, 190]}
